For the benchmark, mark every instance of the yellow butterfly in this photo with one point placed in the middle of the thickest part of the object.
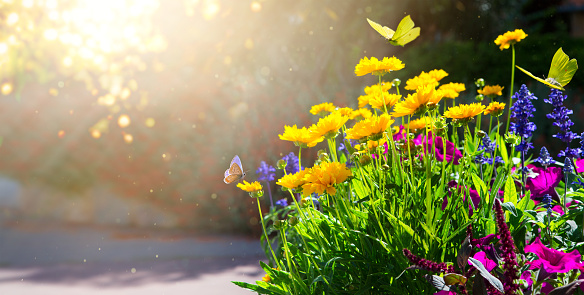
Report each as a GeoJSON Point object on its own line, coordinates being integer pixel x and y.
{"type": "Point", "coordinates": [561, 71]}
{"type": "Point", "coordinates": [404, 34]}
{"type": "Point", "coordinates": [235, 171]}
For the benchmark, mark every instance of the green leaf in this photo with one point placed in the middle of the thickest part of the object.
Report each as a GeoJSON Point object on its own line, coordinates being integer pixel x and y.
{"type": "Point", "coordinates": [454, 279]}
{"type": "Point", "coordinates": [256, 288]}
{"type": "Point", "coordinates": [510, 207]}
{"type": "Point", "coordinates": [479, 185]}
{"type": "Point", "coordinates": [510, 191]}
{"type": "Point", "coordinates": [489, 277]}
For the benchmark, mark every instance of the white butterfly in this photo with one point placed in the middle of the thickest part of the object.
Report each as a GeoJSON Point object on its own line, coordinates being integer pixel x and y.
{"type": "Point", "coordinates": [235, 171]}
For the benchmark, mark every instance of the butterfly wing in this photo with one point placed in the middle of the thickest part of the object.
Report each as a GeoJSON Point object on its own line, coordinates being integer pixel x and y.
{"type": "Point", "coordinates": [405, 25]}
{"type": "Point", "coordinates": [540, 79]}
{"type": "Point", "coordinates": [231, 178]}
{"type": "Point", "coordinates": [383, 30]}
{"type": "Point", "coordinates": [235, 171]}
{"type": "Point", "coordinates": [562, 69]}
{"type": "Point", "coordinates": [406, 38]}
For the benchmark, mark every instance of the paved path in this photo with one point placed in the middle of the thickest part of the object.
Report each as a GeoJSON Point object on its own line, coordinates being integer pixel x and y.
{"type": "Point", "coordinates": [105, 261]}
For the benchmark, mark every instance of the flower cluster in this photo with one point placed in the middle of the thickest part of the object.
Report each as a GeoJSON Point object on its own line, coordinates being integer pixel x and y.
{"type": "Point", "coordinates": [510, 267]}
{"type": "Point", "coordinates": [266, 172]}
{"type": "Point", "coordinates": [560, 114]}
{"type": "Point", "coordinates": [292, 163]}
{"type": "Point", "coordinates": [318, 179]}
{"type": "Point", "coordinates": [522, 110]}
{"type": "Point", "coordinates": [378, 67]}
{"type": "Point", "coordinates": [544, 158]}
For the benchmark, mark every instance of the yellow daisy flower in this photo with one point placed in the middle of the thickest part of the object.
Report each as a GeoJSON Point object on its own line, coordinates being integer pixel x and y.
{"type": "Point", "coordinates": [250, 187]}
{"type": "Point", "coordinates": [324, 177]}
{"type": "Point", "coordinates": [377, 67]}
{"type": "Point", "coordinates": [431, 78]}
{"type": "Point", "coordinates": [418, 81]}
{"type": "Point", "coordinates": [418, 125]}
{"type": "Point", "coordinates": [322, 109]}
{"type": "Point", "coordinates": [328, 126]}
{"type": "Point", "coordinates": [371, 145]}
{"type": "Point", "coordinates": [385, 86]}
{"type": "Point", "coordinates": [267, 278]}
{"type": "Point", "coordinates": [505, 40]}
{"type": "Point", "coordinates": [464, 111]}
{"type": "Point", "coordinates": [495, 109]}
{"type": "Point", "coordinates": [373, 126]}
{"type": "Point", "coordinates": [451, 90]}
{"type": "Point", "coordinates": [491, 90]}
{"type": "Point", "coordinates": [347, 112]}
{"type": "Point", "coordinates": [292, 181]}
{"type": "Point", "coordinates": [363, 100]}
{"type": "Point", "coordinates": [301, 137]}
{"type": "Point", "coordinates": [416, 103]}
{"type": "Point", "coordinates": [387, 100]}
{"type": "Point", "coordinates": [360, 114]}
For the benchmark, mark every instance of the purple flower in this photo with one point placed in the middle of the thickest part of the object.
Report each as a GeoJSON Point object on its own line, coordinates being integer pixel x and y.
{"type": "Point", "coordinates": [560, 114]}
{"type": "Point", "coordinates": [400, 134]}
{"type": "Point", "coordinates": [544, 158]}
{"type": "Point", "coordinates": [292, 165]}
{"type": "Point", "coordinates": [266, 172]}
{"type": "Point", "coordinates": [428, 264]}
{"type": "Point", "coordinates": [282, 202]}
{"type": "Point", "coordinates": [552, 260]}
{"type": "Point", "coordinates": [579, 165]}
{"type": "Point", "coordinates": [568, 166]}
{"type": "Point", "coordinates": [522, 110]}
{"type": "Point", "coordinates": [544, 182]}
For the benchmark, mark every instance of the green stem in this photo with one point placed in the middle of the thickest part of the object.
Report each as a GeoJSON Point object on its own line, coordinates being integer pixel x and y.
{"type": "Point", "coordinates": [266, 234]}
{"type": "Point", "coordinates": [511, 87]}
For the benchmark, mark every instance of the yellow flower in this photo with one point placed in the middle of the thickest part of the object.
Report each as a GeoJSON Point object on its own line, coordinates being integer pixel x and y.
{"type": "Point", "coordinates": [361, 114]}
{"type": "Point", "coordinates": [495, 109]}
{"type": "Point", "coordinates": [377, 67]}
{"type": "Point", "coordinates": [363, 100]}
{"type": "Point", "coordinates": [267, 278]}
{"type": "Point", "coordinates": [328, 126]}
{"type": "Point", "coordinates": [324, 177]}
{"type": "Point", "coordinates": [451, 90]}
{"type": "Point", "coordinates": [464, 111]}
{"type": "Point", "coordinates": [385, 101]}
{"type": "Point", "coordinates": [347, 112]}
{"type": "Point", "coordinates": [417, 125]}
{"type": "Point", "coordinates": [322, 109]}
{"type": "Point", "coordinates": [385, 86]}
{"type": "Point", "coordinates": [371, 145]}
{"type": "Point", "coordinates": [509, 38]}
{"type": "Point", "coordinates": [250, 187]}
{"type": "Point", "coordinates": [418, 81]}
{"type": "Point", "coordinates": [292, 181]}
{"type": "Point", "coordinates": [416, 103]}
{"type": "Point", "coordinates": [491, 90]}
{"type": "Point", "coordinates": [431, 78]}
{"type": "Point", "coordinates": [373, 126]}
{"type": "Point", "coordinates": [301, 137]}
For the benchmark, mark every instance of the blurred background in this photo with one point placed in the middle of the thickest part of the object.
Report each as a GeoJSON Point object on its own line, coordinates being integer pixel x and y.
{"type": "Point", "coordinates": [127, 112]}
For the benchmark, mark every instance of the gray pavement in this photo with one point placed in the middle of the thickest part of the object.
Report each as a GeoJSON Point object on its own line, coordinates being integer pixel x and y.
{"type": "Point", "coordinates": [82, 260]}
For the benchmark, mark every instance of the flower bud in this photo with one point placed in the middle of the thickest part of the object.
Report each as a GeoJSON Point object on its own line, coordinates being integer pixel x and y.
{"type": "Point", "coordinates": [396, 82]}
{"type": "Point", "coordinates": [480, 83]}
{"type": "Point", "coordinates": [292, 220]}
{"type": "Point", "coordinates": [385, 167]}
{"type": "Point", "coordinates": [323, 157]}
{"type": "Point", "coordinates": [479, 97]}
{"type": "Point", "coordinates": [279, 224]}
{"type": "Point", "coordinates": [481, 134]}
{"type": "Point", "coordinates": [281, 164]}
{"type": "Point", "coordinates": [365, 160]}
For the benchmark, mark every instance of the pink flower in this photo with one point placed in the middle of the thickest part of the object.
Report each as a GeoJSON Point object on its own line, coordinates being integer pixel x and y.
{"type": "Point", "coordinates": [553, 261]}
{"type": "Point", "coordinates": [545, 182]}
{"type": "Point", "coordinates": [482, 257]}
{"type": "Point", "coordinates": [579, 165]}
{"type": "Point", "coordinates": [452, 153]}
{"type": "Point", "coordinates": [401, 134]}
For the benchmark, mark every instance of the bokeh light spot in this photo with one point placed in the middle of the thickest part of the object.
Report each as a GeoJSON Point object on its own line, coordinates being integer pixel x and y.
{"type": "Point", "coordinates": [6, 88]}
{"type": "Point", "coordinates": [124, 121]}
{"type": "Point", "coordinates": [256, 6]}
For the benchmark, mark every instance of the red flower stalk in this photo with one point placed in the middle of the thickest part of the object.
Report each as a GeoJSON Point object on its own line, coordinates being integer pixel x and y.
{"type": "Point", "coordinates": [428, 264]}
{"type": "Point", "coordinates": [510, 267]}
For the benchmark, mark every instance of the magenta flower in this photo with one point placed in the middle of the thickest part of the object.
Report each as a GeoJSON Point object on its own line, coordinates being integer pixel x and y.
{"type": "Point", "coordinates": [553, 261]}
{"type": "Point", "coordinates": [452, 153]}
{"type": "Point", "coordinates": [474, 196]}
{"type": "Point", "coordinates": [579, 165]}
{"type": "Point", "coordinates": [401, 134]}
{"type": "Point", "coordinates": [545, 182]}
{"type": "Point", "coordinates": [482, 257]}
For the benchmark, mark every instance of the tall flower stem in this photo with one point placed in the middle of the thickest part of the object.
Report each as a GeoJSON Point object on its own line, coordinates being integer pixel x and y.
{"type": "Point", "coordinates": [266, 234]}
{"type": "Point", "coordinates": [511, 87]}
